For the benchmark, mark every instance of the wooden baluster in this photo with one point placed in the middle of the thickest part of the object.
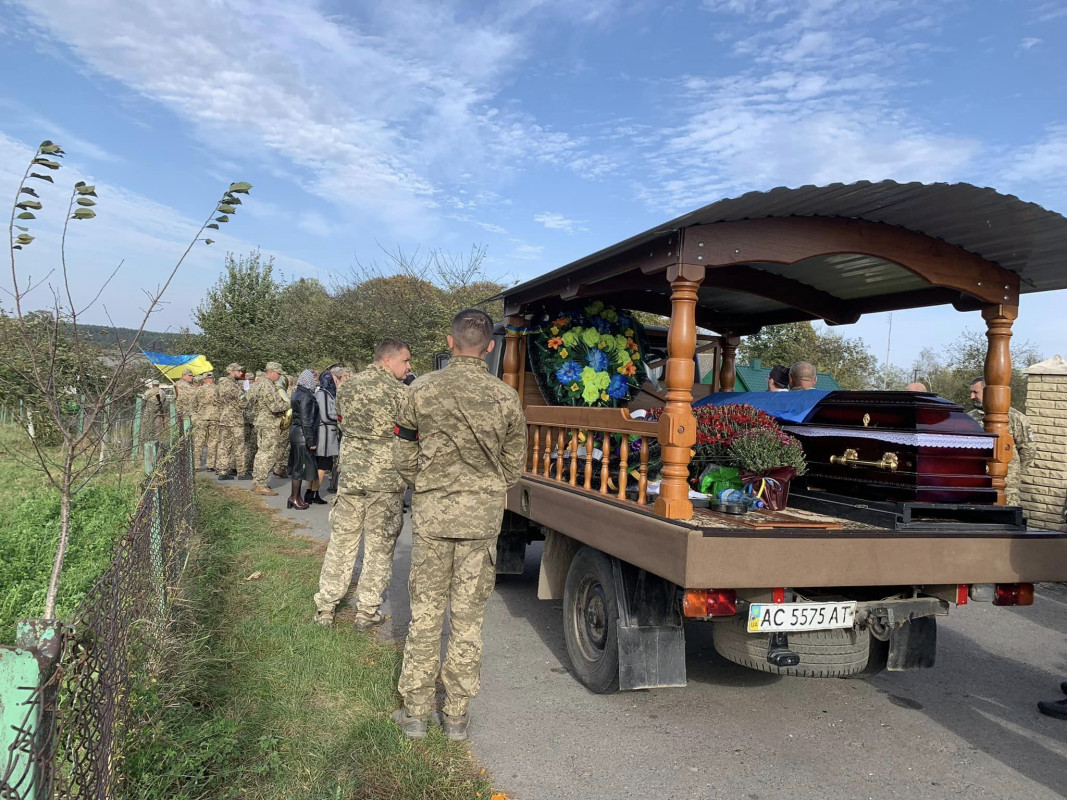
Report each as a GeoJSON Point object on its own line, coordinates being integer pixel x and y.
{"type": "Point", "coordinates": [536, 450]}
{"type": "Point", "coordinates": [559, 454]}
{"type": "Point", "coordinates": [589, 459]}
{"type": "Point", "coordinates": [624, 454]}
{"type": "Point", "coordinates": [677, 425]}
{"type": "Point", "coordinates": [513, 344]}
{"type": "Point", "coordinates": [642, 479]}
{"type": "Point", "coordinates": [574, 457]}
{"type": "Point", "coordinates": [548, 453]}
{"type": "Point", "coordinates": [605, 475]}
{"type": "Point", "coordinates": [997, 393]}
{"type": "Point", "coordinates": [727, 370]}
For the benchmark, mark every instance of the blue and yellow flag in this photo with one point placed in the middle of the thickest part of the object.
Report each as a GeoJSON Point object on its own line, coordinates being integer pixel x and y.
{"type": "Point", "coordinates": [172, 367]}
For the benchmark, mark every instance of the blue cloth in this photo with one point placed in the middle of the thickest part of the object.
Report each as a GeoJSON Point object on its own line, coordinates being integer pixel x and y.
{"type": "Point", "coordinates": [784, 406]}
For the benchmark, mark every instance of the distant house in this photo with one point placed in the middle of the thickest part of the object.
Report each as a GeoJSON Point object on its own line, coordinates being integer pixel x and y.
{"type": "Point", "coordinates": [752, 377]}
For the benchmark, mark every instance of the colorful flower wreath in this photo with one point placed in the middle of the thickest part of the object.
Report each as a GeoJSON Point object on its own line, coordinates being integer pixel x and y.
{"type": "Point", "coordinates": [591, 356]}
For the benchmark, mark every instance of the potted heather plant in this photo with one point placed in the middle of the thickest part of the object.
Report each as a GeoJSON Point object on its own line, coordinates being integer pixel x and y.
{"type": "Point", "coordinates": [768, 458]}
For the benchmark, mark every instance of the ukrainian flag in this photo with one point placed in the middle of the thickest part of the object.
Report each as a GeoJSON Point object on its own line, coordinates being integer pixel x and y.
{"type": "Point", "coordinates": [172, 367]}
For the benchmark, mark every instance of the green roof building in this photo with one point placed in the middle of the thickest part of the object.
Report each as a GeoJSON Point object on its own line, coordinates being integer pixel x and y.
{"type": "Point", "coordinates": [752, 377]}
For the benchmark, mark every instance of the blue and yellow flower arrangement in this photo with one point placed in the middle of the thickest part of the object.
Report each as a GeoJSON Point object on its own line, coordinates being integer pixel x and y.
{"type": "Point", "coordinates": [591, 356]}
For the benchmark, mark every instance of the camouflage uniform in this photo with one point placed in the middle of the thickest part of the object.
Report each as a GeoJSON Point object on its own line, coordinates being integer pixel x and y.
{"type": "Point", "coordinates": [271, 404]}
{"type": "Point", "coordinates": [155, 415]}
{"type": "Point", "coordinates": [1021, 455]}
{"type": "Point", "coordinates": [471, 447]}
{"type": "Point", "coordinates": [251, 445]}
{"type": "Point", "coordinates": [207, 405]}
{"type": "Point", "coordinates": [230, 402]}
{"type": "Point", "coordinates": [184, 399]}
{"type": "Point", "coordinates": [199, 429]}
{"type": "Point", "coordinates": [370, 492]}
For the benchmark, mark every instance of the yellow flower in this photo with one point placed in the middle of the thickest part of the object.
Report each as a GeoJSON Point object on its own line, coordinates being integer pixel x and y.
{"type": "Point", "coordinates": [574, 387]}
{"type": "Point", "coordinates": [600, 344]}
{"type": "Point", "coordinates": [636, 356]}
{"type": "Point", "coordinates": [554, 329]}
{"type": "Point", "coordinates": [563, 352]}
{"type": "Point", "coordinates": [604, 396]}
{"type": "Point", "coordinates": [628, 332]}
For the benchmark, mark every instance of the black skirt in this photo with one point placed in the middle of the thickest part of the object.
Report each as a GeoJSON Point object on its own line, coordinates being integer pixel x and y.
{"type": "Point", "coordinates": [302, 466]}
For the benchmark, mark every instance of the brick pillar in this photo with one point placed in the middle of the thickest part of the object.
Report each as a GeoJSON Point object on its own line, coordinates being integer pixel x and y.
{"type": "Point", "coordinates": [1043, 492]}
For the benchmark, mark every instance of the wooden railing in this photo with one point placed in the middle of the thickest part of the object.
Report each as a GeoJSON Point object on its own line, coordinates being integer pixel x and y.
{"type": "Point", "coordinates": [555, 435]}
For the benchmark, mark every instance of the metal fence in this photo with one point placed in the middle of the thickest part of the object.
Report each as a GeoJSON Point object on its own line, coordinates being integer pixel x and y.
{"type": "Point", "coordinates": [64, 713]}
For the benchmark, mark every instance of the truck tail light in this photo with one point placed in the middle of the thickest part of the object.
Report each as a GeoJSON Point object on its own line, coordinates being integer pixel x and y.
{"type": "Point", "coordinates": [1014, 594]}
{"type": "Point", "coordinates": [709, 603]}
{"type": "Point", "coordinates": [982, 592]}
{"type": "Point", "coordinates": [962, 594]}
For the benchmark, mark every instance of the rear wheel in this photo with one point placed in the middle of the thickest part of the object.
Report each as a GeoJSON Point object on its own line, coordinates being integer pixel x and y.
{"type": "Point", "coordinates": [591, 620]}
{"type": "Point", "coordinates": [823, 654]}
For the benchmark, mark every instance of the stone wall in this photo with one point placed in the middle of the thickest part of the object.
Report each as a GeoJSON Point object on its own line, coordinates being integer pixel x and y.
{"type": "Point", "coordinates": [1044, 484]}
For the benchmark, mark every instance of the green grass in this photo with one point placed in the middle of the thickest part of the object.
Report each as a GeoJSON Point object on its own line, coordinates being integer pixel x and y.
{"type": "Point", "coordinates": [255, 701]}
{"type": "Point", "coordinates": [29, 533]}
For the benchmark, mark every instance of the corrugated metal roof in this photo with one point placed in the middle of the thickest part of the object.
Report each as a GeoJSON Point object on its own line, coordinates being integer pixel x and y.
{"type": "Point", "coordinates": [1022, 237]}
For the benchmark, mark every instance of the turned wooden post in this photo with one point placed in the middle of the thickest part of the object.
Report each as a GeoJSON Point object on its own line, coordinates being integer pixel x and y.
{"type": "Point", "coordinates": [513, 343]}
{"type": "Point", "coordinates": [997, 396]}
{"type": "Point", "coordinates": [727, 372]}
{"type": "Point", "coordinates": [677, 426]}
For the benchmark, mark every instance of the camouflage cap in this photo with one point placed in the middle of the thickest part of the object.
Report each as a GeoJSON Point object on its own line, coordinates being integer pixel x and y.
{"type": "Point", "coordinates": [187, 371]}
{"type": "Point", "coordinates": [234, 367]}
{"type": "Point", "coordinates": [274, 366]}
{"type": "Point", "coordinates": [209, 375]}
{"type": "Point", "coordinates": [155, 381]}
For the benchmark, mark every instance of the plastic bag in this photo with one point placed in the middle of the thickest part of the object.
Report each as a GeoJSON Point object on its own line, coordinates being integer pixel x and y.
{"type": "Point", "coordinates": [715, 480]}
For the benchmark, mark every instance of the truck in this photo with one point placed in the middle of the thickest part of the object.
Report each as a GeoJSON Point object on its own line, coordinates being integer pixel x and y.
{"type": "Point", "coordinates": [838, 584]}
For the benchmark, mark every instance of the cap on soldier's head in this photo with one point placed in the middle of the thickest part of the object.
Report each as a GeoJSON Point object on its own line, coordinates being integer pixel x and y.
{"type": "Point", "coordinates": [274, 366]}
{"type": "Point", "coordinates": [234, 367]}
{"type": "Point", "coordinates": [186, 371]}
{"type": "Point", "coordinates": [155, 381]}
{"type": "Point", "coordinates": [209, 375]}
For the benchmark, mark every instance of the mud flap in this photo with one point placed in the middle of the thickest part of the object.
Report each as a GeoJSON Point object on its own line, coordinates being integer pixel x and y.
{"type": "Point", "coordinates": [511, 553]}
{"type": "Point", "coordinates": [913, 645]}
{"type": "Point", "coordinates": [650, 633]}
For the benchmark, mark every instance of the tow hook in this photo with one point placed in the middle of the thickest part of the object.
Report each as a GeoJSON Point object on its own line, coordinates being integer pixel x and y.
{"type": "Point", "coordinates": [778, 652]}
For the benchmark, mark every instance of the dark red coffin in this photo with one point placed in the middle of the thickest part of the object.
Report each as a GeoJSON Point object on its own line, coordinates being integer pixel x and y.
{"type": "Point", "coordinates": [896, 446]}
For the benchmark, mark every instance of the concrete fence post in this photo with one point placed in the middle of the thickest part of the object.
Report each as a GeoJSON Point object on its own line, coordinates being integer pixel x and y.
{"type": "Point", "coordinates": [1043, 489]}
{"type": "Point", "coordinates": [136, 426]}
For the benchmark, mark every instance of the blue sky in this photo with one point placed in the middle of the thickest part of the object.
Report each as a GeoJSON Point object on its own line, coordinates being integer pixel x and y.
{"type": "Point", "coordinates": [543, 129]}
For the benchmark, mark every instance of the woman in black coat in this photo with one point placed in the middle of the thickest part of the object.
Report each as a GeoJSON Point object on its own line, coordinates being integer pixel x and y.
{"type": "Point", "coordinates": [303, 439]}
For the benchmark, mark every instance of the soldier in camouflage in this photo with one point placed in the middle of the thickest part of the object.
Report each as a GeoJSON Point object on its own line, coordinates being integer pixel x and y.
{"type": "Point", "coordinates": [185, 395]}
{"type": "Point", "coordinates": [230, 402]}
{"type": "Point", "coordinates": [251, 397]}
{"type": "Point", "coordinates": [271, 403]}
{"type": "Point", "coordinates": [461, 441]}
{"type": "Point", "coordinates": [209, 414]}
{"type": "Point", "coordinates": [369, 501]}
{"type": "Point", "coordinates": [1019, 427]}
{"type": "Point", "coordinates": [155, 414]}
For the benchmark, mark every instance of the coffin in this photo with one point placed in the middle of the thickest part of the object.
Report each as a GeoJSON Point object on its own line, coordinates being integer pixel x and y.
{"type": "Point", "coordinates": [900, 447]}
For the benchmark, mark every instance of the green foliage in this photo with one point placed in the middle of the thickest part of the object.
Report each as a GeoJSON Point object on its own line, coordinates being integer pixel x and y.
{"type": "Point", "coordinates": [239, 316]}
{"type": "Point", "coordinates": [256, 701]}
{"type": "Point", "coordinates": [760, 450]}
{"type": "Point", "coordinates": [29, 532]}
{"type": "Point", "coordinates": [849, 361]}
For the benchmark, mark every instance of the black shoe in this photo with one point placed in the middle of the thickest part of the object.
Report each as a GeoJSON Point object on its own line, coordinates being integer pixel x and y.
{"type": "Point", "coordinates": [316, 499]}
{"type": "Point", "coordinates": [228, 476]}
{"type": "Point", "coordinates": [307, 496]}
{"type": "Point", "coordinates": [1053, 708]}
{"type": "Point", "coordinates": [245, 477]}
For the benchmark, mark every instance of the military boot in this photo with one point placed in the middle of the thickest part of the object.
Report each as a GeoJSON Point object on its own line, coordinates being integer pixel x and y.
{"type": "Point", "coordinates": [228, 476]}
{"type": "Point", "coordinates": [413, 727]}
{"type": "Point", "coordinates": [323, 618]}
{"type": "Point", "coordinates": [245, 476]}
{"type": "Point", "coordinates": [366, 622]}
{"type": "Point", "coordinates": [455, 728]}
{"type": "Point", "coordinates": [266, 491]}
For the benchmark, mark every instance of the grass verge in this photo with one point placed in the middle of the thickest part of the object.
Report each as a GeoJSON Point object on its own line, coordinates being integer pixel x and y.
{"type": "Point", "coordinates": [255, 701]}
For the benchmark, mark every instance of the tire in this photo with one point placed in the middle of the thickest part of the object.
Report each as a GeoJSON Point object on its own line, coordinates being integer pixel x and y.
{"type": "Point", "coordinates": [876, 660]}
{"type": "Point", "coordinates": [591, 620]}
{"type": "Point", "coordinates": [823, 654]}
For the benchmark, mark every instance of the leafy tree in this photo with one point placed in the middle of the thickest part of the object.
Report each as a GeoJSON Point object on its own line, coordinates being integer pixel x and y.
{"type": "Point", "coordinates": [948, 371]}
{"type": "Point", "coordinates": [849, 361]}
{"type": "Point", "coordinates": [239, 317]}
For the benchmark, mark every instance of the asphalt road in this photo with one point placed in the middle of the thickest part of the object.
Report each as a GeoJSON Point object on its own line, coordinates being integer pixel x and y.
{"type": "Point", "coordinates": [967, 728]}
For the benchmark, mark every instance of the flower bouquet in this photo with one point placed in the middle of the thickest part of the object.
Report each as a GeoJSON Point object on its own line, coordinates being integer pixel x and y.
{"type": "Point", "coordinates": [590, 356]}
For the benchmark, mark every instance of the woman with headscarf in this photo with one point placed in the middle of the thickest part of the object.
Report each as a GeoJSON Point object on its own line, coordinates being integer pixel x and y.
{"type": "Point", "coordinates": [303, 438]}
{"type": "Point", "coordinates": [329, 439]}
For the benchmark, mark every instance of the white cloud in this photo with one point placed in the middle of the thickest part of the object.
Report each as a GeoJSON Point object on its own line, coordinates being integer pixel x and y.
{"type": "Point", "coordinates": [1044, 161]}
{"type": "Point", "coordinates": [526, 252]}
{"type": "Point", "coordinates": [1029, 43]}
{"type": "Point", "coordinates": [553, 220]}
{"type": "Point", "coordinates": [314, 223]}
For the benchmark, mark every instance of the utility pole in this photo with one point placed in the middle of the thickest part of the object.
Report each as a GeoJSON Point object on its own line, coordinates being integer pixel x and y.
{"type": "Point", "coordinates": [888, 343]}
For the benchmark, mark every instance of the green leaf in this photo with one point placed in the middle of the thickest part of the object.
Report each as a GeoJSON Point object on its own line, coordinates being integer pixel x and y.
{"type": "Point", "coordinates": [212, 225]}
{"type": "Point", "coordinates": [227, 209]}
{"type": "Point", "coordinates": [79, 184]}
{"type": "Point", "coordinates": [42, 177]}
{"type": "Point", "coordinates": [209, 241]}
{"type": "Point", "coordinates": [26, 215]}
{"type": "Point", "coordinates": [223, 218]}
{"type": "Point", "coordinates": [44, 162]}
{"type": "Point", "coordinates": [17, 247]}
{"type": "Point", "coordinates": [23, 238]}
{"type": "Point", "coordinates": [233, 201]}
{"type": "Point", "coordinates": [85, 201]}
{"type": "Point", "coordinates": [239, 188]}
{"type": "Point", "coordinates": [25, 204]}
{"type": "Point", "coordinates": [29, 191]}
{"type": "Point", "coordinates": [45, 143]}
{"type": "Point", "coordinates": [83, 213]}
{"type": "Point", "coordinates": [83, 189]}
{"type": "Point", "coordinates": [21, 228]}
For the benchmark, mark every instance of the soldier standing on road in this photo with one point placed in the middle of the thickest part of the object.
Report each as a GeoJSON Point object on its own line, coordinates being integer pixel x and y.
{"type": "Point", "coordinates": [271, 404]}
{"type": "Point", "coordinates": [251, 398]}
{"type": "Point", "coordinates": [370, 491]}
{"type": "Point", "coordinates": [207, 405]}
{"type": "Point", "coordinates": [185, 395]}
{"type": "Point", "coordinates": [1019, 427]}
{"type": "Point", "coordinates": [461, 441]}
{"type": "Point", "coordinates": [230, 401]}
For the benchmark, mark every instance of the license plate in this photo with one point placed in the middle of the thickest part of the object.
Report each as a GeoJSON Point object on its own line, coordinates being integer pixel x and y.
{"type": "Point", "coordinates": [769, 617]}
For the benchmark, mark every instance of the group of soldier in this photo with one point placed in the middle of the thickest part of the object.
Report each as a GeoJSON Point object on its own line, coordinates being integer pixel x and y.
{"type": "Point", "coordinates": [456, 437]}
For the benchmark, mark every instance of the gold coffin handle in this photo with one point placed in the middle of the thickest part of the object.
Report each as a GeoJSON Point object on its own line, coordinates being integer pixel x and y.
{"type": "Point", "coordinates": [851, 458]}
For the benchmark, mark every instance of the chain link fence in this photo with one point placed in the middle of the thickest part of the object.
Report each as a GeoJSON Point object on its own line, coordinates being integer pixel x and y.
{"type": "Point", "coordinates": [64, 710]}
